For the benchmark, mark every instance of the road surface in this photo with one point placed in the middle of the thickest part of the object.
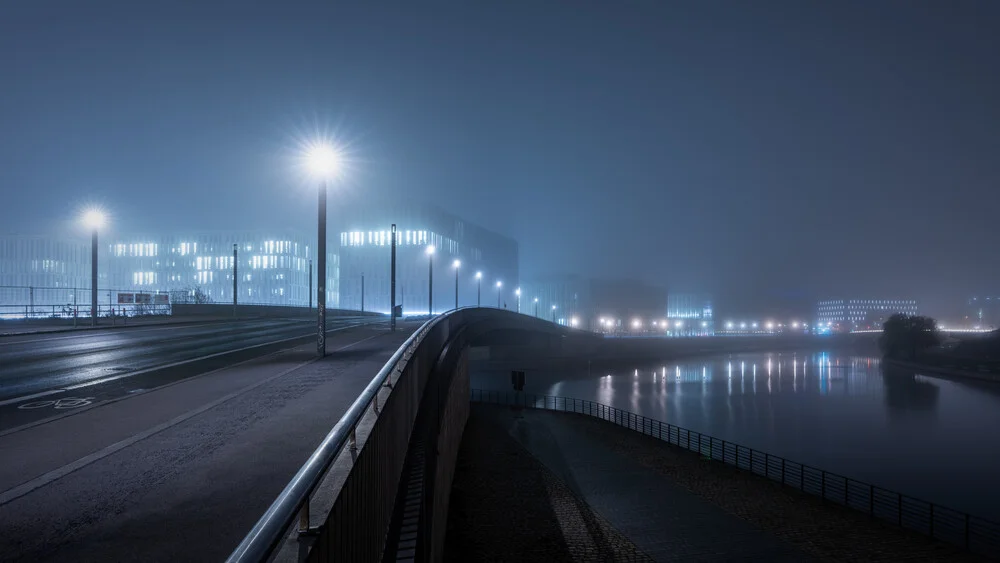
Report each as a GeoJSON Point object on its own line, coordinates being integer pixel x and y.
{"type": "Point", "coordinates": [176, 469]}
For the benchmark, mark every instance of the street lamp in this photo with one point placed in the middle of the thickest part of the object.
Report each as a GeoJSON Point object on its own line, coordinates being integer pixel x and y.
{"type": "Point", "coordinates": [479, 289]}
{"type": "Point", "coordinates": [93, 219]}
{"type": "Point", "coordinates": [499, 285]}
{"type": "Point", "coordinates": [536, 307]}
{"type": "Point", "coordinates": [430, 280]}
{"type": "Point", "coordinates": [553, 313]}
{"type": "Point", "coordinates": [517, 292]}
{"type": "Point", "coordinates": [323, 162]}
{"type": "Point", "coordinates": [456, 264]}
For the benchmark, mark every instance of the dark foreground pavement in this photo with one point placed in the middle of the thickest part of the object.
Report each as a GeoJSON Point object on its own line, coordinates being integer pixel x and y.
{"type": "Point", "coordinates": [534, 485]}
{"type": "Point", "coordinates": [180, 472]}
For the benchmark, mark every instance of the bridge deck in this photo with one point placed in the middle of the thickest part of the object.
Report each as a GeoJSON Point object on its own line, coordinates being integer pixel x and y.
{"type": "Point", "coordinates": [537, 485]}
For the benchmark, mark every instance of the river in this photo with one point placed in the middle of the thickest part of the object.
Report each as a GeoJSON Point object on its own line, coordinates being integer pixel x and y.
{"type": "Point", "coordinates": [931, 438]}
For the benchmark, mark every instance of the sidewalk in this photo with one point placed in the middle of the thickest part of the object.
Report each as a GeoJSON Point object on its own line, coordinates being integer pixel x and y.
{"type": "Point", "coordinates": [535, 485]}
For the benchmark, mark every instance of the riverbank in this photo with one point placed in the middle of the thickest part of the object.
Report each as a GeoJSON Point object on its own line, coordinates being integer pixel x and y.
{"type": "Point", "coordinates": [941, 371]}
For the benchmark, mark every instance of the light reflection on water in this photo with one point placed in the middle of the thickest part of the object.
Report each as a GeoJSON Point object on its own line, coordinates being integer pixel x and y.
{"type": "Point", "coordinates": [931, 438]}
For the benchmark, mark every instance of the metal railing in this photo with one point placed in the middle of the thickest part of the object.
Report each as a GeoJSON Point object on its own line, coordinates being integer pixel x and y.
{"type": "Point", "coordinates": [293, 504]}
{"type": "Point", "coordinates": [976, 534]}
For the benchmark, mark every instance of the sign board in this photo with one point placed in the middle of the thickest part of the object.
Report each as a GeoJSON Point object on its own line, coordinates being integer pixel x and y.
{"type": "Point", "coordinates": [161, 299]}
{"type": "Point", "coordinates": [143, 298]}
{"type": "Point", "coordinates": [126, 298]}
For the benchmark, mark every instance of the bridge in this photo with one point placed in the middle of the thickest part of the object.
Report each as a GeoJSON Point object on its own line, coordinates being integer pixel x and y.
{"type": "Point", "coordinates": [227, 439]}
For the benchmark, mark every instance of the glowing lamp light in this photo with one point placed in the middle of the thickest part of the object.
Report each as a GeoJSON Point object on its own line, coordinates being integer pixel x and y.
{"type": "Point", "coordinates": [729, 325]}
{"type": "Point", "coordinates": [679, 324]}
{"type": "Point", "coordinates": [93, 218]}
{"type": "Point", "coordinates": [553, 307]}
{"type": "Point", "coordinates": [430, 249]}
{"type": "Point", "coordinates": [743, 325]}
{"type": "Point", "coordinates": [704, 324]}
{"type": "Point", "coordinates": [770, 326]}
{"type": "Point", "coordinates": [536, 300]}
{"type": "Point", "coordinates": [322, 160]}
{"type": "Point", "coordinates": [517, 292]}
{"type": "Point", "coordinates": [479, 275]}
{"type": "Point", "coordinates": [636, 323]}
{"type": "Point", "coordinates": [457, 264]}
{"type": "Point", "coordinates": [574, 321]}
{"type": "Point", "coordinates": [499, 284]}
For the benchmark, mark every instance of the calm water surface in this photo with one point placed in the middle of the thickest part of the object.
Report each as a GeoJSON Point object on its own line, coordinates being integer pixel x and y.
{"type": "Point", "coordinates": [931, 438]}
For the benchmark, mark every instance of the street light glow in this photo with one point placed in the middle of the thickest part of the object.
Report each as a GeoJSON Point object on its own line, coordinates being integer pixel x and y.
{"type": "Point", "coordinates": [322, 160]}
{"type": "Point", "coordinates": [679, 324]}
{"type": "Point", "coordinates": [479, 275]}
{"type": "Point", "coordinates": [574, 321]}
{"type": "Point", "coordinates": [770, 325]}
{"type": "Point", "coordinates": [729, 324]}
{"type": "Point", "coordinates": [517, 292]}
{"type": "Point", "coordinates": [430, 249]}
{"type": "Point", "coordinates": [499, 284]}
{"type": "Point", "coordinates": [457, 264]}
{"type": "Point", "coordinates": [93, 218]}
{"type": "Point", "coordinates": [536, 300]}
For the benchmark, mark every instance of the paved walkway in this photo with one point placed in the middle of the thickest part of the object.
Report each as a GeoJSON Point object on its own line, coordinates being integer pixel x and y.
{"type": "Point", "coordinates": [535, 485]}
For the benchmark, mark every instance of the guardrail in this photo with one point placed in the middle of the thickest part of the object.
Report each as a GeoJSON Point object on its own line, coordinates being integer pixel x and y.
{"type": "Point", "coordinates": [978, 535]}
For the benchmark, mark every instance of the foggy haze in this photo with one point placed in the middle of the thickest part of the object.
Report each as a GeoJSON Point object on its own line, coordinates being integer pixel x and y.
{"type": "Point", "coordinates": [770, 153]}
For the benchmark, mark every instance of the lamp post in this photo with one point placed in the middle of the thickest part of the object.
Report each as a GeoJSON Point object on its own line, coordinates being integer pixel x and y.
{"type": "Point", "coordinates": [457, 264]}
{"type": "Point", "coordinates": [392, 282]}
{"type": "Point", "coordinates": [236, 273]}
{"type": "Point", "coordinates": [323, 162]}
{"type": "Point", "coordinates": [479, 289]}
{"type": "Point", "coordinates": [517, 292]}
{"type": "Point", "coordinates": [536, 307]}
{"type": "Point", "coordinates": [430, 280]}
{"type": "Point", "coordinates": [499, 285]}
{"type": "Point", "coordinates": [94, 219]}
{"type": "Point", "coordinates": [553, 313]}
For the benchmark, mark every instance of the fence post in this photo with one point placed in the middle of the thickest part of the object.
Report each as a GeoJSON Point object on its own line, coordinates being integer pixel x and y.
{"type": "Point", "coordinates": [723, 451]}
{"type": "Point", "coordinates": [711, 447]}
{"type": "Point", "coordinates": [782, 471]}
{"type": "Point", "coordinates": [689, 439]}
{"type": "Point", "coordinates": [823, 481]}
{"type": "Point", "coordinates": [899, 509]}
{"type": "Point", "coordinates": [767, 465]}
{"type": "Point", "coordinates": [699, 443]}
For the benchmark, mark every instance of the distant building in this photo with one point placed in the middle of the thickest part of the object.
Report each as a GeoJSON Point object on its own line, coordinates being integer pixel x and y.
{"type": "Point", "coordinates": [39, 273]}
{"type": "Point", "coordinates": [365, 239]}
{"type": "Point", "coordinates": [690, 314]}
{"type": "Point", "coordinates": [595, 304]}
{"type": "Point", "coordinates": [855, 314]}
{"type": "Point", "coordinates": [272, 268]}
{"type": "Point", "coordinates": [983, 312]}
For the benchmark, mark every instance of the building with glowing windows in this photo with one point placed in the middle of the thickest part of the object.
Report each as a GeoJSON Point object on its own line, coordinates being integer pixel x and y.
{"type": "Point", "coordinates": [272, 268]}
{"type": "Point", "coordinates": [983, 312]}
{"type": "Point", "coordinates": [365, 259]}
{"type": "Point", "coordinates": [690, 314]}
{"type": "Point", "coordinates": [42, 272]}
{"type": "Point", "coordinates": [857, 314]}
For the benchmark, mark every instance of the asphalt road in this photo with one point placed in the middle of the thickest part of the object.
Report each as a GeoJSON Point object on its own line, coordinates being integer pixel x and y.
{"type": "Point", "coordinates": [38, 369]}
{"type": "Point", "coordinates": [174, 469]}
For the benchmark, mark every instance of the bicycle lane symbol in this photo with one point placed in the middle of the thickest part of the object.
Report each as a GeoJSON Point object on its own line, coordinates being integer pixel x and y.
{"type": "Point", "coordinates": [60, 404]}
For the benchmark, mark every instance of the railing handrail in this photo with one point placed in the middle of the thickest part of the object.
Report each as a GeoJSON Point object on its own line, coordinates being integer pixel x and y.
{"type": "Point", "coordinates": [268, 532]}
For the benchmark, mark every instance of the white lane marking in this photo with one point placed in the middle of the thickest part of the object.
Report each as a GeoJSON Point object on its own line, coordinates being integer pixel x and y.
{"type": "Point", "coordinates": [42, 480]}
{"type": "Point", "coordinates": [59, 404]}
{"type": "Point", "coordinates": [188, 361]}
{"type": "Point", "coordinates": [26, 397]}
{"type": "Point", "coordinates": [89, 332]}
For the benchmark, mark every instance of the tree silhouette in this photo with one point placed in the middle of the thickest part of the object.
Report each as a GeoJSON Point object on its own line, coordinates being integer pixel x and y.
{"type": "Point", "coordinates": [904, 336]}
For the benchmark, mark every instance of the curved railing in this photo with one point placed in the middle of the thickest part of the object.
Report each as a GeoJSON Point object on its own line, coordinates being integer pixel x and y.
{"type": "Point", "coordinates": [976, 534]}
{"type": "Point", "coordinates": [293, 502]}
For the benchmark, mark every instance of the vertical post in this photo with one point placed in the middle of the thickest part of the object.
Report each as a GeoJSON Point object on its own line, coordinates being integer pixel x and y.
{"type": "Point", "coordinates": [392, 282]}
{"type": "Point", "coordinates": [430, 284]}
{"type": "Point", "coordinates": [498, 297]}
{"type": "Point", "coordinates": [362, 293]}
{"type": "Point", "coordinates": [31, 299]}
{"type": "Point", "coordinates": [456, 286]}
{"type": "Point", "coordinates": [310, 283]}
{"type": "Point", "coordinates": [321, 274]}
{"type": "Point", "coordinates": [75, 308]}
{"type": "Point", "coordinates": [93, 278]}
{"type": "Point", "coordinates": [236, 274]}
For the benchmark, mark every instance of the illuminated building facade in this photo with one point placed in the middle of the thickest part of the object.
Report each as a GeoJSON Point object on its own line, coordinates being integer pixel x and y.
{"type": "Point", "coordinates": [273, 268]}
{"type": "Point", "coordinates": [855, 314]}
{"type": "Point", "coordinates": [690, 314]}
{"type": "Point", "coordinates": [365, 238]}
{"type": "Point", "coordinates": [42, 271]}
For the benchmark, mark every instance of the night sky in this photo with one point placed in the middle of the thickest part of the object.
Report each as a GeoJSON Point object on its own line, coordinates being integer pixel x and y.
{"type": "Point", "coordinates": [768, 152]}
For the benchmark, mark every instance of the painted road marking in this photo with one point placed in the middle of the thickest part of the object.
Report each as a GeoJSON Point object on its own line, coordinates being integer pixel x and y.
{"type": "Point", "coordinates": [27, 397]}
{"type": "Point", "coordinates": [58, 473]}
{"type": "Point", "coordinates": [63, 403]}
